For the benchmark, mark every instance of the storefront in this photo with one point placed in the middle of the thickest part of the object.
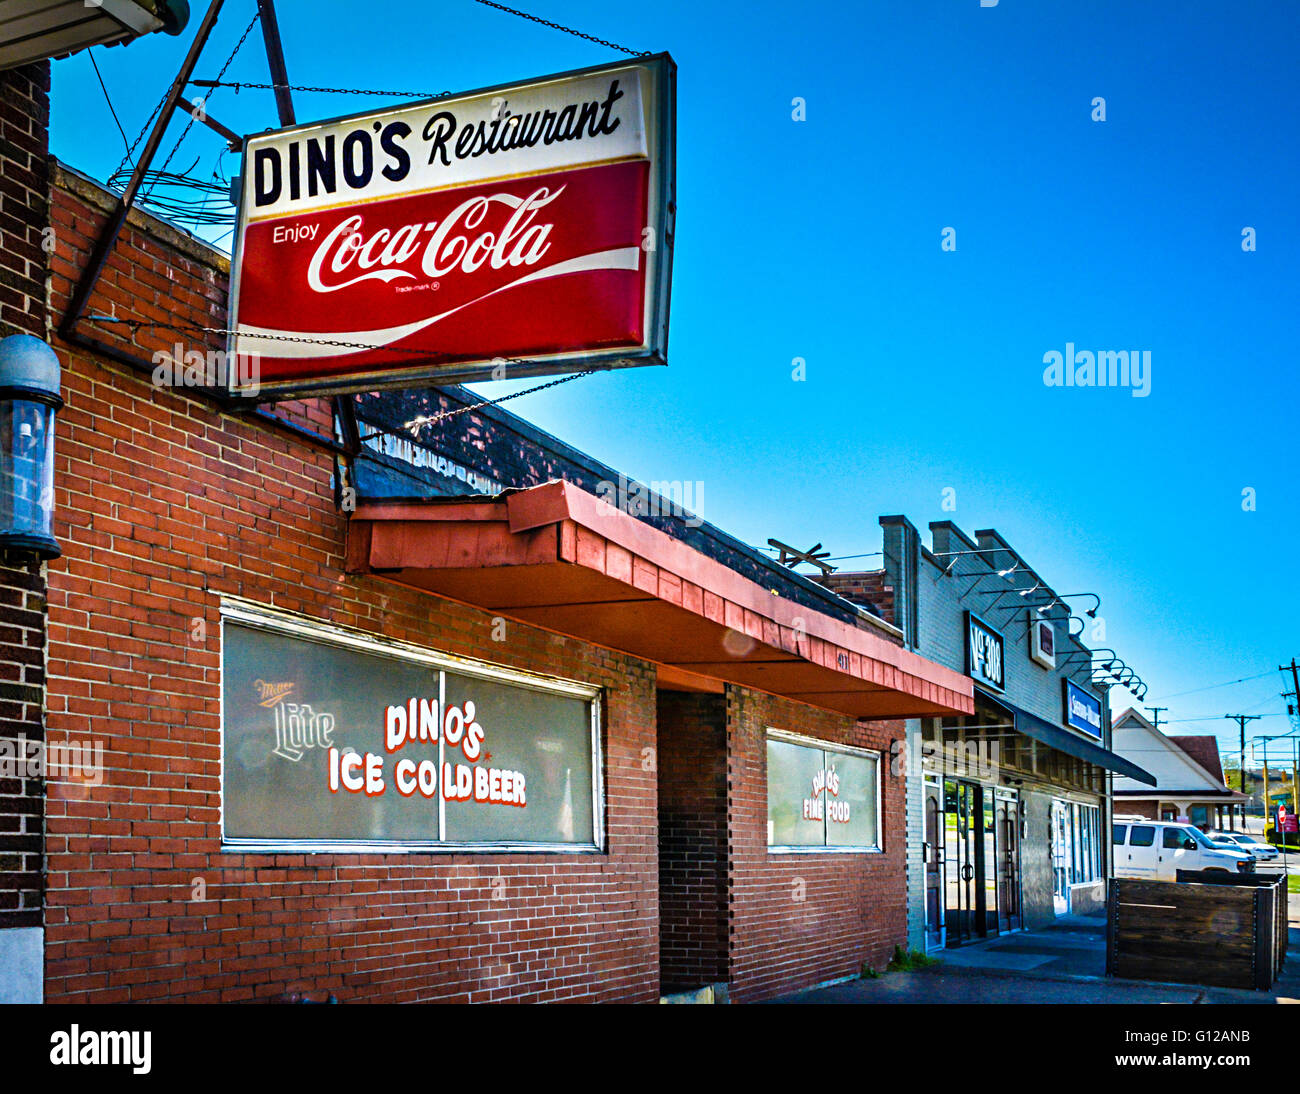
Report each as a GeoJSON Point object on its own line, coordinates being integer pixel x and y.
{"type": "Point", "coordinates": [1007, 805]}
{"type": "Point", "coordinates": [434, 720]}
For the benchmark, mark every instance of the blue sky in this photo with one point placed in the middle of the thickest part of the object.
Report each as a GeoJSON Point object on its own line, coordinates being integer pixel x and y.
{"type": "Point", "coordinates": [924, 368]}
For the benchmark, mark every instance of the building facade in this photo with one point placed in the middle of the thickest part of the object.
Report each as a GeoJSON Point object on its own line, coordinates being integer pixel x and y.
{"type": "Point", "coordinates": [451, 714]}
{"type": "Point", "coordinates": [1008, 807]}
{"type": "Point", "coordinates": [1189, 777]}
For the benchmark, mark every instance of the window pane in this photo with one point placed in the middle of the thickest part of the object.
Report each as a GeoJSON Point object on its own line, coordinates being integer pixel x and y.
{"type": "Point", "coordinates": [795, 802]}
{"type": "Point", "coordinates": [531, 766]}
{"type": "Point", "coordinates": [516, 763]}
{"type": "Point", "coordinates": [285, 701]}
{"type": "Point", "coordinates": [1121, 830]}
{"type": "Point", "coordinates": [851, 814]}
{"type": "Point", "coordinates": [1144, 835]}
{"type": "Point", "coordinates": [1174, 838]}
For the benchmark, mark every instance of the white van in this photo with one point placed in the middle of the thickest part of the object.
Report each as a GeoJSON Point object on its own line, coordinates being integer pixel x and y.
{"type": "Point", "coordinates": [1157, 850]}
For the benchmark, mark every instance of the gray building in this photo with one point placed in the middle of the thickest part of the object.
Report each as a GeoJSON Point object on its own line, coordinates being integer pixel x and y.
{"type": "Point", "coordinates": [1008, 809]}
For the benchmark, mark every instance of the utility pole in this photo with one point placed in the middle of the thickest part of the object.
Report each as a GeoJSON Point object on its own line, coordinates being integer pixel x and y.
{"type": "Point", "coordinates": [1241, 720]}
{"type": "Point", "coordinates": [1295, 679]}
{"type": "Point", "coordinates": [1155, 715]}
{"type": "Point", "coordinates": [1295, 767]}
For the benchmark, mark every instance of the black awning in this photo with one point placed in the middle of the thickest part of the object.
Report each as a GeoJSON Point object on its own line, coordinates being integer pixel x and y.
{"type": "Point", "coordinates": [1060, 738]}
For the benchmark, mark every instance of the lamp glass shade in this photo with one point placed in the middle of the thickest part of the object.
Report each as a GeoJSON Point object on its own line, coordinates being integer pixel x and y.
{"type": "Point", "coordinates": [27, 475]}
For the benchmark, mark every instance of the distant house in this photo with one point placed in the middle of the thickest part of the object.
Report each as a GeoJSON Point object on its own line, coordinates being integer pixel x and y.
{"type": "Point", "coordinates": [1189, 776]}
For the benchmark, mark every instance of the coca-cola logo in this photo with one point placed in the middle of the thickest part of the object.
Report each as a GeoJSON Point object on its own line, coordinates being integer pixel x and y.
{"type": "Point", "coordinates": [463, 240]}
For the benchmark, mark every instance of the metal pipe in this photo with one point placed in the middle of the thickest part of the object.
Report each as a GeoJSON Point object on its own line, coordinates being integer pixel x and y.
{"type": "Point", "coordinates": [108, 235]}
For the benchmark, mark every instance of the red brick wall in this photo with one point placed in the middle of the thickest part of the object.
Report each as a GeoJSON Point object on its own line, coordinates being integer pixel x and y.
{"type": "Point", "coordinates": [867, 587]}
{"type": "Point", "coordinates": [22, 698]}
{"type": "Point", "coordinates": [164, 505]}
{"type": "Point", "coordinates": [854, 906]}
{"type": "Point", "coordinates": [1148, 809]}
{"type": "Point", "coordinates": [24, 147]}
{"type": "Point", "coordinates": [692, 763]}
{"type": "Point", "coordinates": [24, 197]}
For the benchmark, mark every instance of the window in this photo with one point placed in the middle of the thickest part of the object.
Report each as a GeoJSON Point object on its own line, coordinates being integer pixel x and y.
{"type": "Point", "coordinates": [821, 797]}
{"type": "Point", "coordinates": [332, 741]}
{"type": "Point", "coordinates": [1087, 842]}
{"type": "Point", "coordinates": [1121, 831]}
{"type": "Point", "coordinates": [1144, 835]}
{"type": "Point", "coordinates": [1174, 838]}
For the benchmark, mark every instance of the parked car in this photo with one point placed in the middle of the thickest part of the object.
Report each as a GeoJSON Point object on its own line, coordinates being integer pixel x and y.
{"type": "Point", "coordinates": [1157, 850]}
{"type": "Point", "coordinates": [1261, 851]}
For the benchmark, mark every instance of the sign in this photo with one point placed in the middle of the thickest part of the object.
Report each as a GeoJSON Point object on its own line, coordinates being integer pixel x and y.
{"type": "Point", "coordinates": [820, 797]}
{"type": "Point", "coordinates": [1042, 641]}
{"type": "Point", "coordinates": [520, 230]}
{"type": "Point", "coordinates": [1082, 709]}
{"type": "Point", "coordinates": [984, 653]}
{"type": "Point", "coordinates": [327, 743]}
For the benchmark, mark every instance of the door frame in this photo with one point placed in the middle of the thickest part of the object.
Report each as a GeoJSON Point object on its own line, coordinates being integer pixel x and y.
{"type": "Point", "coordinates": [933, 859]}
{"type": "Point", "coordinates": [1013, 800]}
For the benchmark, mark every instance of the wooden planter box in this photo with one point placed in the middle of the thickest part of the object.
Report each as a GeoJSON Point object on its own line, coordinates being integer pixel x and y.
{"type": "Point", "coordinates": [1220, 930]}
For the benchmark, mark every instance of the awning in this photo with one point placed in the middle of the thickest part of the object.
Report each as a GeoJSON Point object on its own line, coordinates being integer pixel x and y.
{"type": "Point", "coordinates": [1061, 739]}
{"type": "Point", "coordinates": [564, 560]}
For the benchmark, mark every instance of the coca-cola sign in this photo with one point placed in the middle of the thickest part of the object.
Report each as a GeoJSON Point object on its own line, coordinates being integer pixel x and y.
{"type": "Point", "coordinates": [520, 230]}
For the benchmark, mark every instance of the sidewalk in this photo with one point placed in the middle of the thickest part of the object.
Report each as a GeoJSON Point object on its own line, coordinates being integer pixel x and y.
{"type": "Point", "coordinates": [1064, 963]}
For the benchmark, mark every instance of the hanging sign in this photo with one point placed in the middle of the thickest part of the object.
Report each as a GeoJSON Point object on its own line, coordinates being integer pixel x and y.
{"type": "Point", "coordinates": [1042, 641]}
{"type": "Point", "coordinates": [520, 230]}
{"type": "Point", "coordinates": [984, 653]}
{"type": "Point", "coordinates": [1082, 709]}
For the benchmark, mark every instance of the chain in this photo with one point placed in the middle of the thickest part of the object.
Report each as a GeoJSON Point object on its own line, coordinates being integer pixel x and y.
{"type": "Point", "coordinates": [137, 324]}
{"type": "Point", "coordinates": [328, 90]}
{"type": "Point", "coordinates": [143, 130]}
{"type": "Point", "coordinates": [416, 424]}
{"type": "Point", "coordinates": [190, 124]}
{"type": "Point", "coordinates": [567, 30]}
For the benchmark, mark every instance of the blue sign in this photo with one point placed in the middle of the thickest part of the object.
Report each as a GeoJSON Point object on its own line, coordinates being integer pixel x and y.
{"type": "Point", "coordinates": [1082, 710]}
{"type": "Point", "coordinates": [984, 653]}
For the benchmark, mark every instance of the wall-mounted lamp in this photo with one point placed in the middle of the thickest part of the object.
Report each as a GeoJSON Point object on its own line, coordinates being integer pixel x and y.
{"type": "Point", "coordinates": [1091, 613]}
{"type": "Point", "coordinates": [29, 399]}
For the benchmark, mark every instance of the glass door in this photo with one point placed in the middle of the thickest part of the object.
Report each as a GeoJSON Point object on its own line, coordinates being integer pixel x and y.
{"type": "Point", "coordinates": [1062, 843]}
{"type": "Point", "coordinates": [988, 854]}
{"type": "Point", "coordinates": [963, 862]}
{"type": "Point", "coordinates": [934, 863]}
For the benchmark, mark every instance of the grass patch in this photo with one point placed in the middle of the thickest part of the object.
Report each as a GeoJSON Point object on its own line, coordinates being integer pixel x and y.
{"type": "Point", "coordinates": [910, 960]}
{"type": "Point", "coordinates": [1293, 883]}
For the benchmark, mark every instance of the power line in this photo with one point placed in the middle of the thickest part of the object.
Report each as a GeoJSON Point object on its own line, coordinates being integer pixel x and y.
{"type": "Point", "coordinates": [194, 112]}
{"type": "Point", "coordinates": [1213, 718]}
{"type": "Point", "coordinates": [1211, 687]}
{"type": "Point", "coordinates": [108, 99]}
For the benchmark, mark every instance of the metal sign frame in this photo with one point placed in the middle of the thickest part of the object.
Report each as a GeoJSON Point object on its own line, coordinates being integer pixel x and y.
{"type": "Point", "coordinates": [662, 211]}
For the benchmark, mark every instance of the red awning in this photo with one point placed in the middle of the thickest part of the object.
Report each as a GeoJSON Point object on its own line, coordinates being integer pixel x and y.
{"type": "Point", "coordinates": [561, 559]}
